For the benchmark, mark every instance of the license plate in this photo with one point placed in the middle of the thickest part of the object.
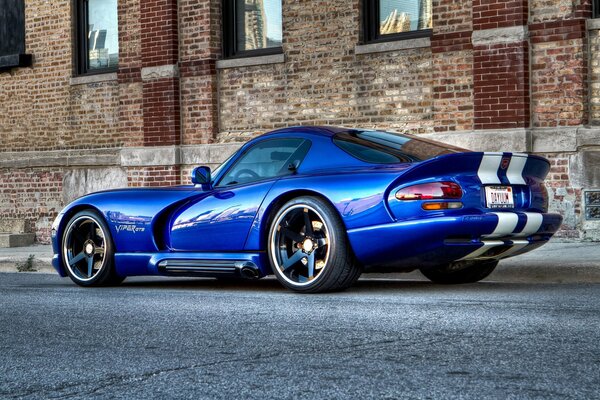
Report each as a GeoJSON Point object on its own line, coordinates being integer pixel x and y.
{"type": "Point", "coordinates": [499, 197]}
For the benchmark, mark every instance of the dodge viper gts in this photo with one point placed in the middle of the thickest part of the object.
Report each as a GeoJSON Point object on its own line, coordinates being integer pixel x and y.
{"type": "Point", "coordinates": [316, 206]}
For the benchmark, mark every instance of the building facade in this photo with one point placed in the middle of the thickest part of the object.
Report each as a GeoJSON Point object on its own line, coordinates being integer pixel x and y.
{"type": "Point", "coordinates": [137, 92]}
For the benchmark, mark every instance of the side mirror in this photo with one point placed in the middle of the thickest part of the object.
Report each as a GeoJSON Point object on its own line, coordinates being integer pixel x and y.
{"type": "Point", "coordinates": [201, 176]}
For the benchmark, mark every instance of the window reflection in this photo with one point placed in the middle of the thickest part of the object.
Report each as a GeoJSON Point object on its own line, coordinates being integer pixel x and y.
{"type": "Point", "coordinates": [396, 16]}
{"type": "Point", "coordinates": [102, 34]}
{"type": "Point", "coordinates": [258, 24]}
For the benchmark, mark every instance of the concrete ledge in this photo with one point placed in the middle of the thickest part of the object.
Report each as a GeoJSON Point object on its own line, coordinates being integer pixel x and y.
{"type": "Point", "coordinates": [8, 240]}
{"type": "Point", "coordinates": [60, 158]}
{"type": "Point", "coordinates": [13, 225]}
{"type": "Point", "coordinates": [162, 71]}
{"type": "Point", "coordinates": [250, 61]}
{"type": "Point", "coordinates": [554, 140]}
{"type": "Point", "coordinates": [87, 79]}
{"type": "Point", "coordinates": [149, 156]}
{"type": "Point", "coordinates": [500, 35]}
{"type": "Point", "coordinates": [593, 24]}
{"type": "Point", "coordinates": [10, 259]}
{"type": "Point", "coordinates": [514, 140]}
{"type": "Point", "coordinates": [539, 140]}
{"type": "Point", "coordinates": [588, 137]}
{"type": "Point", "coordinates": [392, 46]}
{"type": "Point", "coordinates": [80, 181]}
{"type": "Point", "coordinates": [209, 153]}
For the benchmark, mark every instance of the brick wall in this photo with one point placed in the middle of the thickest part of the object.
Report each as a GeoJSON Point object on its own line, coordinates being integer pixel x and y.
{"type": "Point", "coordinates": [558, 73]}
{"type": "Point", "coordinates": [159, 33]}
{"type": "Point", "coordinates": [594, 77]}
{"type": "Point", "coordinates": [324, 82]}
{"type": "Point", "coordinates": [452, 66]}
{"type": "Point", "coordinates": [200, 47]}
{"type": "Point", "coordinates": [34, 194]}
{"type": "Point", "coordinates": [564, 196]}
{"type": "Point", "coordinates": [131, 111]}
{"type": "Point", "coordinates": [169, 91]}
{"type": "Point", "coordinates": [549, 10]}
{"type": "Point", "coordinates": [40, 109]}
{"type": "Point", "coordinates": [161, 112]}
{"type": "Point", "coordinates": [501, 81]}
{"type": "Point", "coordinates": [492, 14]}
{"type": "Point", "coordinates": [153, 176]}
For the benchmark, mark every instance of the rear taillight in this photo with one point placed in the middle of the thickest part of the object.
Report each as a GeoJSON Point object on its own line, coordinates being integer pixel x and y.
{"type": "Point", "coordinates": [430, 191]}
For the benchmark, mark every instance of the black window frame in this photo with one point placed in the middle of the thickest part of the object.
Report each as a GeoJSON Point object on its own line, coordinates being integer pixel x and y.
{"type": "Point", "coordinates": [12, 35]}
{"type": "Point", "coordinates": [230, 36]}
{"type": "Point", "coordinates": [82, 42]}
{"type": "Point", "coordinates": [371, 21]}
{"type": "Point", "coordinates": [220, 185]}
{"type": "Point", "coordinates": [596, 9]}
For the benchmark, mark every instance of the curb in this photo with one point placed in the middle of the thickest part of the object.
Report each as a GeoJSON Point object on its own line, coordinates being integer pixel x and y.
{"type": "Point", "coordinates": [556, 262]}
{"type": "Point", "coordinates": [39, 267]}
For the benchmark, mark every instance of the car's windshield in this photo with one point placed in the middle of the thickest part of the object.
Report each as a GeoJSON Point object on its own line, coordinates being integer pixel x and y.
{"type": "Point", "coordinates": [378, 147]}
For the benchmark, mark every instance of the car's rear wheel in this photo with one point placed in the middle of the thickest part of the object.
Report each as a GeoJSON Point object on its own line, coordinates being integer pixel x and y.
{"type": "Point", "coordinates": [309, 249]}
{"type": "Point", "coordinates": [460, 272]}
{"type": "Point", "coordinates": [87, 250]}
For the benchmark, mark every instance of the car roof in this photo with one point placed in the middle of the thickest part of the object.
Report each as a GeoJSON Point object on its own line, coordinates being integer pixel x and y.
{"type": "Point", "coordinates": [327, 131]}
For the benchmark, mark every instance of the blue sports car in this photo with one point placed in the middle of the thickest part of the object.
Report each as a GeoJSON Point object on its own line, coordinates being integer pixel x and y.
{"type": "Point", "coordinates": [316, 206]}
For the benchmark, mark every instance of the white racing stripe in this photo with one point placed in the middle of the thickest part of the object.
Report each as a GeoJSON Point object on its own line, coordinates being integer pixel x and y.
{"type": "Point", "coordinates": [534, 222]}
{"type": "Point", "coordinates": [490, 165]}
{"type": "Point", "coordinates": [517, 245]}
{"type": "Point", "coordinates": [507, 222]}
{"type": "Point", "coordinates": [488, 168]}
{"type": "Point", "coordinates": [514, 173]}
{"type": "Point", "coordinates": [487, 244]}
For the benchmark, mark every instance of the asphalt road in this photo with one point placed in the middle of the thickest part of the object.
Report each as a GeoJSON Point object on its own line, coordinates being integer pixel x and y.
{"type": "Point", "coordinates": [382, 339]}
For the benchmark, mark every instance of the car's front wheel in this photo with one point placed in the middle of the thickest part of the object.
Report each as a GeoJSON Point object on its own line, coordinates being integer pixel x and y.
{"type": "Point", "coordinates": [460, 272]}
{"type": "Point", "coordinates": [309, 249]}
{"type": "Point", "coordinates": [87, 250]}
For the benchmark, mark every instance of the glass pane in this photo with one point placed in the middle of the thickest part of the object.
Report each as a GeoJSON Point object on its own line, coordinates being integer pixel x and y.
{"type": "Point", "coordinates": [258, 24]}
{"type": "Point", "coordinates": [397, 16]}
{"type": "Point", "coordinates": [266, 160]}
{"type": "Point", "coordinates": [103, 34]}
{"type": "Point", "coordinates": [380, 147]}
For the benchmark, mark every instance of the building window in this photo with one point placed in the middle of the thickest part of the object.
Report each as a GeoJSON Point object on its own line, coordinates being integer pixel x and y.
{"type": "Point", "coordinates": [97, 36]}
{"type": "Point", "coordinates": [596, 9]}
{"type": "Point", "coordinates": [251, 27]}
{"type": "Point", "coordinates": [386, 20]}
{"type": "Point", "coordinates": [12, 35]}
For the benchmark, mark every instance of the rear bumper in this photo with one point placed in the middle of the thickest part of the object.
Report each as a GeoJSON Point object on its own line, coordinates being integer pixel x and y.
{"type": "Point", "coordinates": [438, 240]}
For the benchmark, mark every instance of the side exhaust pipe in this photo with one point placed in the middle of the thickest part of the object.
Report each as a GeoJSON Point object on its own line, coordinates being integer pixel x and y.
{"type": "Point", "coordinates": [249, 271]}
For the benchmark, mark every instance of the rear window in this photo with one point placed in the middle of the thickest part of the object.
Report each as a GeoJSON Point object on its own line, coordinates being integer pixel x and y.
{"type": "Point", "coordinates": [378, 147]}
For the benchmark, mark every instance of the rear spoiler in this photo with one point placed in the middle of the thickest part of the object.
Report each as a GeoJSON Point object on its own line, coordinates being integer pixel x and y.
{"type": "Point", "coordinates": [490, 168]}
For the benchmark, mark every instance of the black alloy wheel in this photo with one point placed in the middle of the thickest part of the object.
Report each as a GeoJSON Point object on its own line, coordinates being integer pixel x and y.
{"type": "Point", "coordinates": [87, 250]}
{"type": "Point", "coordinates": [308, 247]}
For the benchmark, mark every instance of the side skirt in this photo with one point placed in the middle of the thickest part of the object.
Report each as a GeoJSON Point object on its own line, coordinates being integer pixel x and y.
{"type": "Point", "coordinates": [246, 265]}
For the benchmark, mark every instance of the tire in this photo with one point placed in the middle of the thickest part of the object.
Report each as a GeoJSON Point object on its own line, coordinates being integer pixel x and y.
{"type": "Point", "coordinates": [308, 247]}
{"type": "Point", "coordinates": [457, 273]}
{"type": "Point", "coordinates": [88, 251]}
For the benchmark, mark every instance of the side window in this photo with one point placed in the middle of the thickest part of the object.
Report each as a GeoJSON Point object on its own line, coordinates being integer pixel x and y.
{"type": "Point", "coordinates": [251, 27]}
{"type": "Point", "coordinates": [386, 20]}
{"type": "Point", "coordinates": [97, 36]}
{"type": "Point", "coordinates": [267, 159]}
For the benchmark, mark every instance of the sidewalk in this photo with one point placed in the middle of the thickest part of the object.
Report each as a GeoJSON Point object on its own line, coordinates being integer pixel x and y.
{"type": "Point", "coordinates": [556, 262]}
